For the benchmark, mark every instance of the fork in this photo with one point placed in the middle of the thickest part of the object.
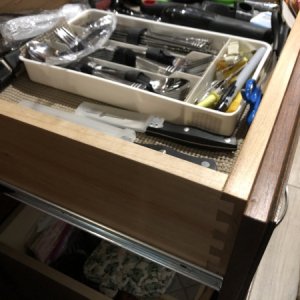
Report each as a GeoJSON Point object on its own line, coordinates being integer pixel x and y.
{"type": "Point", "coordinates": [86, 33]}
{"type": "Point", "coordinates": [146, 37]}
{"type": "Point", "coordinates": [139, 80]}
{"type": "Point", "coordinates": [128, 57]}
{"type": "Point", "coordinates": [67, 37]}
{"type": "Point", "coordinates": [196, 67]}
{"type": "Point", "coordinates": [158, 55]}
{"type": "Point", "coordinates": [75, 42]}
{"type": "Point", "coordinates": [166, 63]}
{"type": "Point", "coordinates": [146, 64]}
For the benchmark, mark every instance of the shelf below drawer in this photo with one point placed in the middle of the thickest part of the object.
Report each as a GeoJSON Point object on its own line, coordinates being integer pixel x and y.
{"type": "Point", "coordinates": [15, 234]}
{"type": "Point", "coordinates": [27, 277]}
{"type": "Point", "coordinates": [199, 274]}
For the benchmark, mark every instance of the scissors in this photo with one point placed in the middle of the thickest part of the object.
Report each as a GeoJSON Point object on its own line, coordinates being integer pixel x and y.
{"type": "Point", "coordinates": [252, 94]}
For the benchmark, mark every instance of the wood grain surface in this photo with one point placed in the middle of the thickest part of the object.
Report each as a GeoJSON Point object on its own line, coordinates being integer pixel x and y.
{"type": "Point", "coordinates": [278, 157]}
{"type": "Point", "coordinates": [261, 212]}
{"type": "Point", "coordinates": [245, 170]}
{"type": "Point", "coordinates": [168, 203]}
{"type": "Point", "coordinates": [13, 6]}
{"type": "Point", "coordinates": [294, 178]}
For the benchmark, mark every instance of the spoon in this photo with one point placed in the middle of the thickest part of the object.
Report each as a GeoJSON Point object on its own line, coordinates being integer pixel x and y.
{"type": "Point", "coordinates": [168, 84]}
{"type": "Point", "coordinates": [172, 87]}
{"type": "Point", "coordinates": [40, 51]}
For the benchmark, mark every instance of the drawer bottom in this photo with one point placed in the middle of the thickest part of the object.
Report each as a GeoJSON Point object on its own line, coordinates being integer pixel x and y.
{"type": "Point", "coordinates": [25, 89]}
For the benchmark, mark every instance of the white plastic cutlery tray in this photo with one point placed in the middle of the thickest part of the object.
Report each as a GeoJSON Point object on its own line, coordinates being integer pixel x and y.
{"type": "Point", "coordinates": [121, 95]}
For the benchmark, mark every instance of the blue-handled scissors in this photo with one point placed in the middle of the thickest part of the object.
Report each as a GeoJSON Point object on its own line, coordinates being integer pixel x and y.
{"type": "Point", "coordinates": [252, 94]}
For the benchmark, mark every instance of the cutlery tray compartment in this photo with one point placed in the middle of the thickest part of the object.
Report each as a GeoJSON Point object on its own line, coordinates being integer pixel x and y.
{"type": "Point", "coordinates": [117, 94]}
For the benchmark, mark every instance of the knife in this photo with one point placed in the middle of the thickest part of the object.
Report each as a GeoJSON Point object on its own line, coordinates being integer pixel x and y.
{"type": "Point", "coordinates": [156, 126]}
{"type": "Point", "coordinates": [204, 162]}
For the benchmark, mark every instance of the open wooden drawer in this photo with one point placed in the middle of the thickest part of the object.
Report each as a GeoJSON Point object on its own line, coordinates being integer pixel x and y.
{"type": "Point", "coordinates": [212, 221]}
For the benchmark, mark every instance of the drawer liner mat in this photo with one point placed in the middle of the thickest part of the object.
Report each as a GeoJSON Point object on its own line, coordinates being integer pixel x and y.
{"type": "Point", "coordinates": [24, 89]}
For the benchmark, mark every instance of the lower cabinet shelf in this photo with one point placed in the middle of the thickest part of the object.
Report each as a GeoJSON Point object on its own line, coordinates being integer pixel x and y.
{"type": "Point", "coordinates": [199, 274]}
{"type": "Point", "coordinates": [26, 277]}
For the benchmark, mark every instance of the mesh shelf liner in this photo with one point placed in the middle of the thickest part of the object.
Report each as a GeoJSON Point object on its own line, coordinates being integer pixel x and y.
{"type": "Point", "coordinates": [24, 89]}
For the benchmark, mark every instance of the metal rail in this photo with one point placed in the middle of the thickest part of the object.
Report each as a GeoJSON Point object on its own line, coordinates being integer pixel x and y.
{"type": "Point", "coordinates": [180, 266]}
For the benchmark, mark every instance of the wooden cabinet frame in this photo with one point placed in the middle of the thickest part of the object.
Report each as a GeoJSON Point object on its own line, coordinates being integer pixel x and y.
{"type": "Point", "coordinates": [216, 221]}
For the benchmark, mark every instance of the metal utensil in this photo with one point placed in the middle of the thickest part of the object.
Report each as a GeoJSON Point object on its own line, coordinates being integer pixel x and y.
{"type": "Point", "coordinates": [176, 88]}
{"type": "Point", "coordinates": [204, 162]}
{"type": "Point", "coordinates": [41, 50]}
{"type": "Point", "coordinates": [151, 66]}
{"type": "Point", "coordinates": [140, 59]}
{"type": "Point", "coordinates": [67, 37]}
{"type": "Point", "coordinates": [153, 60]}
{"type": "Point", "coordinates": [159, 55]}
{"type": "Point", "coordinates": [80, 41]}
{"type": "Point", "coordinates": [146, 37]}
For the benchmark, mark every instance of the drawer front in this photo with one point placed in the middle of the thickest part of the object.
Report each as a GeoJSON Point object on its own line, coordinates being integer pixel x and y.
{"type": "Point", "coordinates": [177, 214]}
{"type": "Point", "coordinates": [266, 207]}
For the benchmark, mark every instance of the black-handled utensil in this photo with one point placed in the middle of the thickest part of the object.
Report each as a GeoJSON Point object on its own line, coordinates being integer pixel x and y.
{"type": "Point", "coordinates": [156, 126]}
{"type": "Point", "coordinates": [197, 18]}
{"type": "Point", "coordinates": [127, 56]}
{"type": "Point", "coordinates": [192, 136]}
{"type": "Point", "coordinates": [172, 87]}
{"type": "Point", "coordinates": [180, 44]}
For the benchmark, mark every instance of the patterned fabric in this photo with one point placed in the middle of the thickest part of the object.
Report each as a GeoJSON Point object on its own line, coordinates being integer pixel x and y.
{"type": "Point", "coordinates": [116, 269]}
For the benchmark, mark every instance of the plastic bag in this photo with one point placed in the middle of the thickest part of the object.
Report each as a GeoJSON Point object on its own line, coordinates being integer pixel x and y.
{"type": "Point", "coordinates": [26, 27]}
{"type": "Point", "coordinates": [91, 38]}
